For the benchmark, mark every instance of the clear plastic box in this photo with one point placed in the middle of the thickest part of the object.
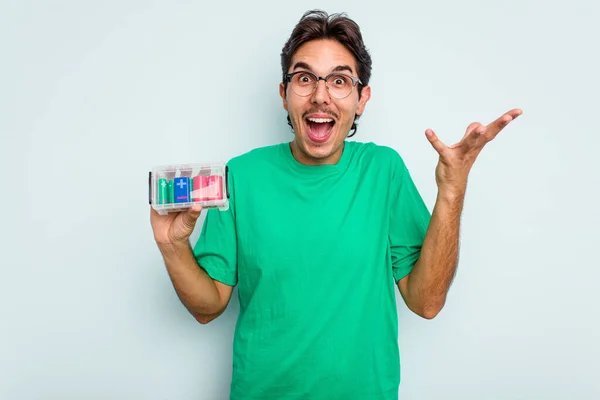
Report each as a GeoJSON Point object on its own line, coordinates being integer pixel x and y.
{"type": "Point", "coordinates": [174, 188]}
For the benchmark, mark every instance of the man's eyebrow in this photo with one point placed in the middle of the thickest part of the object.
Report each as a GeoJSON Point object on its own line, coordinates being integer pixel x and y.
{"type": "Point", "coordinates": [343, 68]}
{"type": "Point", "coordinates": [302, 65]}
{"type": "Point", "coordinates": [339, 68]}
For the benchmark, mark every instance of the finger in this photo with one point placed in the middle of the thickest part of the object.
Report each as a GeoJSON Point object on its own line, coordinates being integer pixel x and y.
{"type": "Point", "coordinates": [437, 144]}
{"type": "Point", "coordinates": [473, 136]}
{"type": "Point", "coordinates": [189, 217]}
{"type": "Point", "coordinates": [195, 209]}
{"type": "Point", "coordinates": [470, 128]}
{"type": "Point", "coordinates": [496, 126]}
{"type": "Point", "coordinates": [194, 212]}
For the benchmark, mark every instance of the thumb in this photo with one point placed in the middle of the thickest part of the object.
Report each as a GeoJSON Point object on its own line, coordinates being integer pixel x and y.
{"type": "Point", "coordinates": [437, 144]}
{"type": "Point", "coordinates": [190, 216]}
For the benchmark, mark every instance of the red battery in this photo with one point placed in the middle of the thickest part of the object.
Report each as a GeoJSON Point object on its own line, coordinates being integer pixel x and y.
{"type": "Point", "coordinates": [198, 184]}
{"type": "Point", "coordinates": [207, 188]}
{"type": "Point", "coordinates": [214, 185]}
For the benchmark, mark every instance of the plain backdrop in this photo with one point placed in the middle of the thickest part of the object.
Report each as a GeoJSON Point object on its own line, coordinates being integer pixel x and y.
{"type": "Point", "coordinates": [94, 94]}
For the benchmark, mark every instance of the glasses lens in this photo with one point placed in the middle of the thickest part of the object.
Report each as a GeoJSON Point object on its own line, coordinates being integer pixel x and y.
{"type": "Point", "coordinates": [303, 84]}
{"type": "Point", "coordinates": [340, 86]}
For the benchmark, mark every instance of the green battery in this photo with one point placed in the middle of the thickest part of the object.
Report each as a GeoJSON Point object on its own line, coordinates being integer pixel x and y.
{"type": "Point", "coordinates": [191, 189]}
{"type": "Point", "coordinates": [163, 191]}
{"type": "Point", "coordinates": [170, 191]}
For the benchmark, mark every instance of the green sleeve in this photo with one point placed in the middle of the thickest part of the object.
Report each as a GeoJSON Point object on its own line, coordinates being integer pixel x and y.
{"type": "Point", "coordinates": [409, 219]}
{"type": "Point", "coordinates": [216, 248]}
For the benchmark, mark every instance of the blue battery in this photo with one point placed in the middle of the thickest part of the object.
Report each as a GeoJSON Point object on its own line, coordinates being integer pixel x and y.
{"type": "Point", "coordinates": [181, 189]}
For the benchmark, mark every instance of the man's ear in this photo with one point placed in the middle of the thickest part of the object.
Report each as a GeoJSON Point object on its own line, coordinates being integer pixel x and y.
{"type": "Point", "coordinates": [283, 96]}
{"type": "Point", "coordinates": [365, 95]}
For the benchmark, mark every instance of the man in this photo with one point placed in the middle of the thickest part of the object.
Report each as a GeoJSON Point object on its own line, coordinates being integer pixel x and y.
{"type": "Point", "coordinates": [319, 234]}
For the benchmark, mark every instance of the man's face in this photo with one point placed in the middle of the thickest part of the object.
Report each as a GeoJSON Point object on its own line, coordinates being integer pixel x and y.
{"type": "Point", "coordinates": [321, 122]}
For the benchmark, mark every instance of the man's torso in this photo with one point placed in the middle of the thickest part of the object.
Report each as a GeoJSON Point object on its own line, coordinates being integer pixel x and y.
{"type": "Point", "coordinates": [314, 277]}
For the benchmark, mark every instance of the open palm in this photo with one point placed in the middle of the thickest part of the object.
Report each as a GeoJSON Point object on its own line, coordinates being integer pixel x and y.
{"type": "Point", "coordinates": [455, 161]}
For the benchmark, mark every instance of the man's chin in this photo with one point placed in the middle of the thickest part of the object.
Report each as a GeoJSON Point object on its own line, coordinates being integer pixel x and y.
{"type": "Point", "coordinates": [318, 147]}
{"type": "Point", "coordinates": [319, 152]}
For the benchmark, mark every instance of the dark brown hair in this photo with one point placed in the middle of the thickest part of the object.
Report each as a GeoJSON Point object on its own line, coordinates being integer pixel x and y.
{"type": "Point", "coordinates": [316, 24]}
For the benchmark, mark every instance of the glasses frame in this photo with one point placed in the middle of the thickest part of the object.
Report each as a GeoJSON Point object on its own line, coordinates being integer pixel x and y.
{"type": "Point", "coordinates": [355, 81]}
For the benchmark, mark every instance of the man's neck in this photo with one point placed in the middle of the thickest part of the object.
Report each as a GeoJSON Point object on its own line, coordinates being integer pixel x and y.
{"type": "Point", "coordinates": [306, 159]}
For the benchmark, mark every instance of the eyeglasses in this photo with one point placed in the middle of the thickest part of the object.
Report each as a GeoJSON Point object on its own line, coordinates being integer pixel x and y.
{"type": "Point", "coordinates": [338, 85]}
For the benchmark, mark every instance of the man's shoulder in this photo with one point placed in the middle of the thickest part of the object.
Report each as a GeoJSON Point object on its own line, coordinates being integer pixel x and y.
{"type": "Point", "coordinates": [378, 154]}
{"type": "Point", "coordinates": [256, 156]}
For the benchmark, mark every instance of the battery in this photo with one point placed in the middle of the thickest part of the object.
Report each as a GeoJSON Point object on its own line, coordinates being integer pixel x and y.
{"type": "Point", "coordinates": [163, 191]}
{"type": "Point", "coordinates": [197, 187]}
{"type": "Point", "coordinates": [214, 188]}
{"type": "Point", "coordinates": [170, 191]}
{"type": "Point", "coordinates": [181, 189]}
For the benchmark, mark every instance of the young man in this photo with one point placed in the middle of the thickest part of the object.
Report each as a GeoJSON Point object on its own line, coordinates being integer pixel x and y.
{"type": "Point", "coordinates": [319, 234]}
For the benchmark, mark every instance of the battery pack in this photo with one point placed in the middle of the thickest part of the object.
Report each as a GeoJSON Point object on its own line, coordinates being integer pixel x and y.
{"type": "Point", "coordinates": [175, 188]}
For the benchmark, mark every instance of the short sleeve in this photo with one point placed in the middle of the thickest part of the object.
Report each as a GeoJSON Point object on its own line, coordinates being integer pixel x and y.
{"type": "Point", "coordinates": [409, 219]}
{"type": "Point", "coordinates": [216, 248]}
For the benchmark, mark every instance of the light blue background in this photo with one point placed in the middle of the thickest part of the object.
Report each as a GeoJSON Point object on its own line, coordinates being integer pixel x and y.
{"type": "Point", "coordinates": [93, 94]}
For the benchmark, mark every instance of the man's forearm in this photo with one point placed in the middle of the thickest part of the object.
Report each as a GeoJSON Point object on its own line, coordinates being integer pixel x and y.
{"type": "Point", "coordinates": [196, 290]}
{"type": "Point", "coordinates": [424, 290]}
{"type": "Point", "coordinates": [428, 283]}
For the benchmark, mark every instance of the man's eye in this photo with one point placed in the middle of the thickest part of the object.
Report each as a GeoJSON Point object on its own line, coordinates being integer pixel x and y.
{"type": "Point", "coordinates": [339, 81]}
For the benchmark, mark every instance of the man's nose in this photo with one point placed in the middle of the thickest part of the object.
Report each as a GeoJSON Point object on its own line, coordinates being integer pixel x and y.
{"type": "Point", "coordinates": [321, 94]}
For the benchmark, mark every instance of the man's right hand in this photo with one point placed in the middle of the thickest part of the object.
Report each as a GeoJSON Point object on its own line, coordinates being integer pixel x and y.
{"type": "Point", "coordinates": [174, 229]}
{"type": "Point", "coordinates": [204, 297]}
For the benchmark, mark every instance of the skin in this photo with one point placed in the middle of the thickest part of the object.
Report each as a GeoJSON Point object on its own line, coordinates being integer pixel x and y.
{"type": "Point", "coordinates": [203, 297]}
{"type": "Point", "coordinates": [322, 56]}
{"type": "Point", "coordinates": [425, 289]}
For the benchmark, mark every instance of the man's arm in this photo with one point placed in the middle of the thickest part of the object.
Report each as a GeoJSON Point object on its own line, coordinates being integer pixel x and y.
{"type": "Point", "coordinates": [203, 297]}
{"type": "Point", "coordinates": [425, 289]}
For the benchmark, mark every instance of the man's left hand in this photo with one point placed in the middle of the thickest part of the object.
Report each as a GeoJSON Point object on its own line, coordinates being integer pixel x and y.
{"type": "Point", "coordinates": [456, 160]}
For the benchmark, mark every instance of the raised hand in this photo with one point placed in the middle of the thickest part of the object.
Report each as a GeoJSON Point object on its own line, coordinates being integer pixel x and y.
{"type": "Point", "coordinates": [455, 161]}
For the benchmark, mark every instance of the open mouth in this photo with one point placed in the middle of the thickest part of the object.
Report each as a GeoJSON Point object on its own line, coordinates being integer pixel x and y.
{"type": "Point", "coordinates": [319, 129]}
